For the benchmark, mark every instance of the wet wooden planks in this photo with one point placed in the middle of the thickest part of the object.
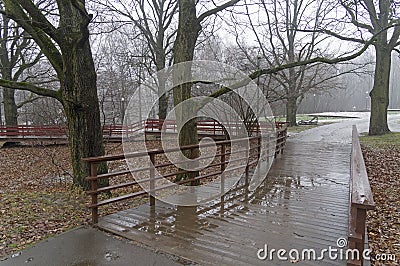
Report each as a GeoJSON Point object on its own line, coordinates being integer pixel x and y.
{"type": "Point", "coordinates": [296, 207]}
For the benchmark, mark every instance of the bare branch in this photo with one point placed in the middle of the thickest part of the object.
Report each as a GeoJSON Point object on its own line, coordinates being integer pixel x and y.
{"type": "Point", "coordinates": [31, 99]}
{"type": "Point", "coordinates": [38, 19]}
{"type": "Point", "coordinates": [216, 10]}
{"type": "Point", "coordinates": [15, 12]}
{"type": "Point", "coordinates": [274, 70]}
{"type": "Point", "coordinates": [30, 87]}
{"type": "Point", "coordinates": [354, 20]}
{"type": "Point", "coordinates": [336, 35]}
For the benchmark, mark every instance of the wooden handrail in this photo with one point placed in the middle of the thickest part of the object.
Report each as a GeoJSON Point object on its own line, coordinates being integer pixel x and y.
{"type": "Point", "coordinates": [224, 155]}
{"type": "Point", "coordinates": [160, 151]}
{"type": "Point", "coordinates": [361, 200]}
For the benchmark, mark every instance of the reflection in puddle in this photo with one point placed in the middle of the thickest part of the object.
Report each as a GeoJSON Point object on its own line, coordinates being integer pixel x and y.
{"type": "Point", "coordinates": [291, 208]}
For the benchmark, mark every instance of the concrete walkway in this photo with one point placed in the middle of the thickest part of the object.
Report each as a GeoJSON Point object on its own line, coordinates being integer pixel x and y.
{"type": "Point", "coordinates": [85, 246]}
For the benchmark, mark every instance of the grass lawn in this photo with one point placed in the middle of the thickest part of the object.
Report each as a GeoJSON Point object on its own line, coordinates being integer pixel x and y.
{"type": "Point", "coordinates": [392, 138]}
{"type": "Point", "coordinates": [298, 129]}
{"type": "Point", "coordinates": [307, 117]}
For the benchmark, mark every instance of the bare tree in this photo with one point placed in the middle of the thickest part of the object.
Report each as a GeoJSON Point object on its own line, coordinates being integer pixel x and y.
{"type": "Point", "coordinates": [279, 41]}
{"type": "Point", "coordinates": [63, 37]}
{"type": "Point", "coordinates": [17, 53]}
{"type": "Point", "coordinates": [155, 21]}
{"type": "Point", "coordinates": [189, 28]}
{"type": "Point", "coordinates": [381, 19]}
{"type": "Point", "coordinates": [122, 66]}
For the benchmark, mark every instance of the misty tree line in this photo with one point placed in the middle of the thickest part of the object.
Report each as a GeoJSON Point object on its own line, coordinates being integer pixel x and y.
{"type": "Point", "coordinates": [84, 58]}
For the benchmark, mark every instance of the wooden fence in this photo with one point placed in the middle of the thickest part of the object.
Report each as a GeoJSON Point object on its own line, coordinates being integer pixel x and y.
{"type": "Point", "coordinates": [361, 200]}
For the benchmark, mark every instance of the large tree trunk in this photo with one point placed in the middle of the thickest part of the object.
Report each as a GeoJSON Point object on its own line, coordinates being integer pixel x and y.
{"type": "Point", "coordinates": [163, 106]}
{"type": "Point", "coordinates": [380, 93]}
{"type": "Point", "coordinates": [10, 107]}
{"type": "Point", "coordinates": [67, 48]}
{"type": "Point", "coordinates": [81, 106]}
{"type": "Point", "coordinates": [160, 66]}
{"type": "Point", "coordinates": [163, 95]}
{"type": "Point", "coordinates": [79, 97]}
{"type": "Point", "coordinates": [291, 111]}
{"type": "Point", "coordinates": [184, 45]}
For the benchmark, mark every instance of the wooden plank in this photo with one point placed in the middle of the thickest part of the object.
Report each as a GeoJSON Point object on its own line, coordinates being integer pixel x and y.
{"type": "Point", "coordinates": [361, 191]}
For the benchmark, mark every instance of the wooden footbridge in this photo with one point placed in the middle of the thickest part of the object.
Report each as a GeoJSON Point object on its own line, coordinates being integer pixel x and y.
{"type": "Point", "coordinates": [309, 200]}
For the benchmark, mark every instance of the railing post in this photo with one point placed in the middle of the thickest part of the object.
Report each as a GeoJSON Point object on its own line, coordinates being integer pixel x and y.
{"type": "Point", "coordinates": [223, 158]}
{"type": "Point", "coordinates": [192, 174]}
{"type": "Point", "coordinates": [223, 166]}
{"type": "Point", "coordinates": [360, 229]}
{"type": "Point", "coordinates": [247, 166]}
{"type": "Point", "coordinates": [278, 143]}
{"type": "Point", "coordinates": [284, 133]}
{"type": "Point", "coordinates": [94, 187]}
{"type": "Point", "coordinates": [214, 122]}
{"type": "Point", "coordinates": [152, 176]}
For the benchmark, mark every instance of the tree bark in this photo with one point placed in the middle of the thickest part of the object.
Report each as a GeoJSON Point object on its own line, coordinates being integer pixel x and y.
{"type": "Point", "coordinates": [81, 107]}
{"type": "Point", "coordinates": [380, 92]}
{"type": "Point", "coordinates": [80, 99]}
{"type": "Point", "coordinates": [160, 66]}
{"type": "Point", "coordinates": [10, 107]}
{"type": "Point", "coordinates": [163, 106]}
{"type": "Point", "coordinates": [67, 48]}
{"type": "Point", "coordinates": [291, 111]}
{"type": "Point", "coordinates": [163, 95]}
{"type": "Point", "coordinates": [188, 32]}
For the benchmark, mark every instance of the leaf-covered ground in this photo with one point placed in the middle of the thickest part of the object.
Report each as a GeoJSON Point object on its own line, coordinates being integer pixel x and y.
{"type": "Point", "coordinates": [36, 196]}
{"type": "Point", "coordinates": [383, 167]}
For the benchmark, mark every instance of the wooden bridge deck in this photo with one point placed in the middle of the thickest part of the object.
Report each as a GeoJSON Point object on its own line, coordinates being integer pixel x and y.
{"type": "Point", "coordinates": [302, 204]}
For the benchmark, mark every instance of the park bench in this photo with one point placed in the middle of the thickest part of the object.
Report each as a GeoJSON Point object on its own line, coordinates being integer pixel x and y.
{"type": "Point", "coordinates": [313, 121]}
{"type": "Point", "coordinates": [361, 200]}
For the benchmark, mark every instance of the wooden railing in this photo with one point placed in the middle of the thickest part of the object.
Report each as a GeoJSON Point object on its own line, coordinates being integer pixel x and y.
{"type": "Point", "coordinates": [221, 159]}
{"type": "Point", "coordinates": [23, 131]}
{"type": "Point", "coordinates": [361, 200]}
{"type": "Point", "coordinates": [59, 131]}
{"type": "Point", "coordinates": [207, 127]}
{"type": "Point", "coordinates": [119, 130]}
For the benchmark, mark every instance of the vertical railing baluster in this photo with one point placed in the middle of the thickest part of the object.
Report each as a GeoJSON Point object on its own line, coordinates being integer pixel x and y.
{"type": "Point", "coordinates": [361, 215]}
{"type": "Point", "coordinates": [223, 166]}
{"type": "Point", "coordinates": [223, 158]}
{"type": "Point", "coordinates": [192, 174]}
{"type": "Point", "coordinates": [94, 187]}
{"type": "Point", "coordinates": [247, 164]}
{"type": "Point", "coordinates": [152, 176]}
